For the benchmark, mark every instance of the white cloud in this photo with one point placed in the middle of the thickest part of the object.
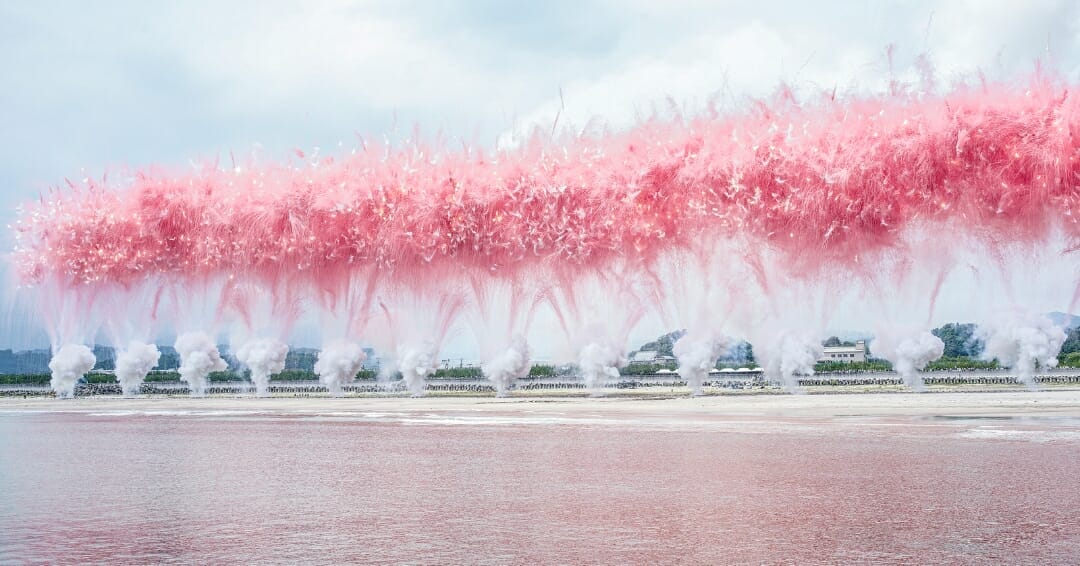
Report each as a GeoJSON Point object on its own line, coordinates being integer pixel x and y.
{"type": "Point", "coordinates": [745, 53]}
{"type": "Point", "coordinates": [90, 85]}
{"type": "Point", "coordinates": [1004, 36]}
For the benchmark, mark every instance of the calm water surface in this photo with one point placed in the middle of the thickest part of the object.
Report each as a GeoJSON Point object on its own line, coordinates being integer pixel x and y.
{"type": "Point", "coordinates": [221, 488]}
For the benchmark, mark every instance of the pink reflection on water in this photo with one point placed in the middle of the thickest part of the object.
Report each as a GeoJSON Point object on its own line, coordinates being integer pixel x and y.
{"type": "Point", "coordinates": [257, 489]}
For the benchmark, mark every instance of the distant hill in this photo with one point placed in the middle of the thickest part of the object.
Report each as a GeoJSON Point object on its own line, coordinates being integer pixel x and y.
{"type": "Point", "coordinates": [25, 362]}
{"type": "Point", "coordinates": [662, 345]}
{"type": "Point", "coordinates": [1063, 319]}
{"type": "Point", "coordinates": [740, 352]}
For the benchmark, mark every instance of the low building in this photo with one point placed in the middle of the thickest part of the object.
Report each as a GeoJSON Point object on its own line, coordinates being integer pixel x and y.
{"type": "Point", "coordinates": [651, 357]}
{"type": "Point", "coordinates": [856, 353]}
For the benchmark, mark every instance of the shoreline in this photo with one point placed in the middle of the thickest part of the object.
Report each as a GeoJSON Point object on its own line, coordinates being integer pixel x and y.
{"type": "Point", "coordinates": [1053, 403]}
{"type": "Point", "coordinates": [855, 382]}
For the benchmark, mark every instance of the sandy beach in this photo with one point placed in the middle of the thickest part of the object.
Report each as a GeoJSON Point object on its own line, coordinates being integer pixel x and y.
{"type": "Point", "coordinates": [661, 478]}
{"type": "Point", "coordinates": [1050, 403]}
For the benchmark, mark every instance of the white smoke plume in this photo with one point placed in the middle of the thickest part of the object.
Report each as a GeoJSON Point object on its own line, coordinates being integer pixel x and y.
{"type": "Point", "coordinates": [264, 357]}
{"type": "Point", "coordinates": [599, 361]}
{"type": "Point", "coordinates": [132, 365]}
{"type": "Point", "coordinates": [68, 365]}
{"type": "Point", "coordinates": [338, 363]}
{"type": "Point", "coordinates": [512, 364]}
{"type": "Point", "coordinates": [387, 372]}
{"type": "Point", "coordinates": [198, 357]}
{"type": "Point", "coordinates": [697, 354]}
{"type": "Point", "coordinates": [1022, 341]}
{"type": "Point", "coordinates": [791, 354]}
{"type": "Point", "coordinates": [416, 363]}
{"type": "Point", "coordinates": [909, 350]}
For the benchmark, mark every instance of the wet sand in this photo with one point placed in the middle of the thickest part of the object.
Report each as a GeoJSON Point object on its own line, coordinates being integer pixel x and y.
{"type": "Point", "coordinates": [656, 405]}
{"type": "Point", "coordinates": [927, 478]}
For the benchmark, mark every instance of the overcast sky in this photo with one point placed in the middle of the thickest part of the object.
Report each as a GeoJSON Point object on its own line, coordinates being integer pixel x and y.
{"type": "Point", "coordinates": [88, 86]}
{"type": "Point", "coordinates": [93, 85]}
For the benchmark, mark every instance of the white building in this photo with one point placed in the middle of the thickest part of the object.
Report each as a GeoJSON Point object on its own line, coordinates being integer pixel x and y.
{"type": "Point", "coordinates": [856, 353]}
{"type": "Point", "coordinates": [650, 357]}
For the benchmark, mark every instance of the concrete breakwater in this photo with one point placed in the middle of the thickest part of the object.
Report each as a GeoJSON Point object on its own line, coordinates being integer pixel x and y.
{"type": "Point", "coordinates": [554, 384]}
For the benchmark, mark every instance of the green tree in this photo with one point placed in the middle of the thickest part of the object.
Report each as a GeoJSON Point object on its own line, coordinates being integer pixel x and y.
{"type": "Point", "coordinates": [541, 370]}
{"type": "Point", "coordinates": [663, 345]}
{"type": "Point", "coordinates": [961, 362]}
{"type": "Point", "coordinates": [24, 379]}
{"type": "Point", "coordinates": [739, 354]}
{"type": "Point", "coordinates": [1069, 360]}
{"type": "Point", "coordinates": [960, 340]}
{"type": "Point", "coordinates": [470, 372]}
{"type": "Point", "coordinates": [1072, 341]}
{"type": "Point", "coordinates": [643, 369]}
{"type": "Point", "coordinates": [869, 365]}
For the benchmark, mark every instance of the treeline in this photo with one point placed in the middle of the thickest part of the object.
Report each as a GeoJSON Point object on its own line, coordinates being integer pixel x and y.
{"type": "Point", "coordinates": [1070, 360]}
{"type": "Point", "coordinates": [868, 365]}
{"type": "Point", "coordinates": [540, 370]}
{"type": "Point", "coordinates": [24, 379]}
{"type": "Point", "coordinates": [873, 364]}
{"type": "Point", "coordinates": [963, 349]}
{"type": "Point", "coordinates": [961, 340]}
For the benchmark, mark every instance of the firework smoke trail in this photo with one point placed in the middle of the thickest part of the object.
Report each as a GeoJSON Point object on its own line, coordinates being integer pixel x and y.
{"type": "Point", "coordinates": [909, 351]}
{"type": "Point", "coordinates": [831, 185]}
{"type": "Point", "coordinates": [788, 355]}
{"type": "Point", "coordinates": [1023, 341]}
{"type": "Point", "coordinates": [338, 363]}
{"type": "Point", "coordinates": [68, 365]}
{"type": "Point", "coordinates": [416, 363]}
{"type": "Point", "coordinates": [599, 361]}
{"type": "Point", "coordinates": [198, 357]}
{"type": "Point", "coordinates": [697, 355]}
{"type": "Point", "coordinates": [264, 357]}
{"type": "Point", "coordinates": [822, 183]}
{"type": "Point", "coordinates": [388, 371]}
{"type": "Point", "coordinates": [132, 365]}
{"type": "Point", "coordinates": [497, 307]}
{"type": "Point", "coordinates": [504, 370]}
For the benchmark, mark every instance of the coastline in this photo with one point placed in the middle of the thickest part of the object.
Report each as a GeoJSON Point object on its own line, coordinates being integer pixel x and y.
{"type": "Point", "coordinates": [1056, 403]}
